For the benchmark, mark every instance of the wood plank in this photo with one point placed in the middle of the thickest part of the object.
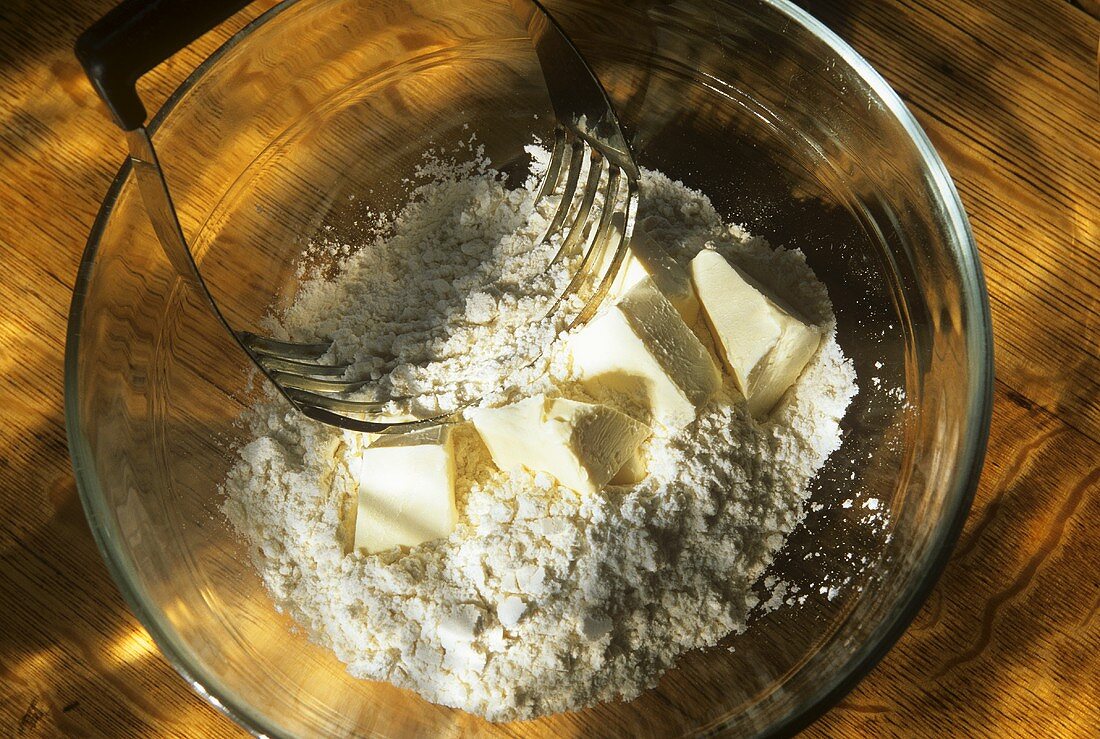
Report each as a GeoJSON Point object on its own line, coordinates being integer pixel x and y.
{"type": "Point", "coordinates": [1008, 643]}
{"type": "Point", "coordinates": [1007, 93]}
{"type": "Point", "coordinates": [1010, 637]}
{"type": "Point", "coordinates": [73, 659]}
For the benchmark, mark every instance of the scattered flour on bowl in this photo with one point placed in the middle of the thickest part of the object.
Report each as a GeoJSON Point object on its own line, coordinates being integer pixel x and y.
{"type": "Point", "coordinates": [447, 299]}
{"type": "Point", "coordinates": [542, 599]}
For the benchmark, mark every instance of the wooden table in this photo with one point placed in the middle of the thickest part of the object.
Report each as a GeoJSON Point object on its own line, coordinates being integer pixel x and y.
{"type": "Point", "coordinates": [1007, 644]}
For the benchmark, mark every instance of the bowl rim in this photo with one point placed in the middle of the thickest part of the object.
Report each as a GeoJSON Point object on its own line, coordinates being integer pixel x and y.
{"type": "Point", "coordinates": [977, 329]}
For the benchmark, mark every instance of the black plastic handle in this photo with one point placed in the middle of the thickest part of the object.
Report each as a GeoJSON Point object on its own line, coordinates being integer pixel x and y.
{"type": "Point", "coordinates": [137, 35]}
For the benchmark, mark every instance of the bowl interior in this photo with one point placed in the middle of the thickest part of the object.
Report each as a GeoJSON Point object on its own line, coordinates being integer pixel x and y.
{"type": "Point", "coordinates": [318, 116]}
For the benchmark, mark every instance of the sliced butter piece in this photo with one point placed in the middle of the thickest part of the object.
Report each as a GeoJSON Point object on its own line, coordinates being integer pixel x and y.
{"type": "Point", "coordinates": [583, 445]}
{"type": "Point", "coordinates": [646, 258]}
{"type": "Point", "coordinates": [764, 346]}
{"type": "Point", "coordinates": [632, 472]}
{"type": "Point", "coordinates": [641, 349]}
{"type": "Point", "coordinates": [406, 490]}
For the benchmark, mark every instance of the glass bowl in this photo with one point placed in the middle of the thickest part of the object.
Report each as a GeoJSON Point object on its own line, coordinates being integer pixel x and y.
{"type": "Point", "coordinates": [316, 112]}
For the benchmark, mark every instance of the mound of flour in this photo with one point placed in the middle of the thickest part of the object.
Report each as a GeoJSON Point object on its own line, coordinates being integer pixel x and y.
{"type": "Point", "coordinates": [448, 299]}
{"type": "Point", "coordinates": [542, 599]}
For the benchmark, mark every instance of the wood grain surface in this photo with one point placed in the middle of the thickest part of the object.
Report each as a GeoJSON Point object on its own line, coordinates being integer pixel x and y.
{"type": "Point", "coordinates": [1008, 643]}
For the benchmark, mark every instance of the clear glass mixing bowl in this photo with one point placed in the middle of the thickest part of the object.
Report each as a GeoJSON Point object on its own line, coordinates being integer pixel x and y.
{"type": "Point", "coordinates": [318, 111]}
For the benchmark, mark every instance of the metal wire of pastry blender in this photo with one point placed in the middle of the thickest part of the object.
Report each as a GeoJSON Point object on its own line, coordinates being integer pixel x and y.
{"type": "Point", "coordinates": [586, 127]}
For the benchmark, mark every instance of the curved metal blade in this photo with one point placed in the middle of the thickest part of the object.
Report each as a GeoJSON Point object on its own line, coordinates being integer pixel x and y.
{"type": "Point", "coordinates": [578, 98]}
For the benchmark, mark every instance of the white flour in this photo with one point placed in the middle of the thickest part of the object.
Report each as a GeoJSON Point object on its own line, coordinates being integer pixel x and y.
{"type": "Point", "coordinates": [447, 299]}
{"type": "Point", "coordinates": [542, 599]}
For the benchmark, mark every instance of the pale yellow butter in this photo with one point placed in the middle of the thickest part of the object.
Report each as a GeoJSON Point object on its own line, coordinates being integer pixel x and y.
{"type": "Point", "coordinates": [646, 258]}
{"type": "Point", "coordinates": [640, 349]}
{"type": "Point", "coordinates": [583, 445]}
{"type": "Point", "coordinates": [763, 345]}
{"type": "Point", "coordinates": [406, 490]}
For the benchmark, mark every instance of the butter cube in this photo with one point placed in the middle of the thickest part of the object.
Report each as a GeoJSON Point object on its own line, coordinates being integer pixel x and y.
{"type": "Point", "coordinates": [641, 349]}
{"type": "Point", "coordinates": [764, 346]}
{"type": "Point", "coordinates": [583, 445]}
{"type": "Point", "coordinates": [632, 472]}
{"type": "Point", "coordinates": [406, 490]}
{"type": "Point", "coordinates": [646, 258]}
